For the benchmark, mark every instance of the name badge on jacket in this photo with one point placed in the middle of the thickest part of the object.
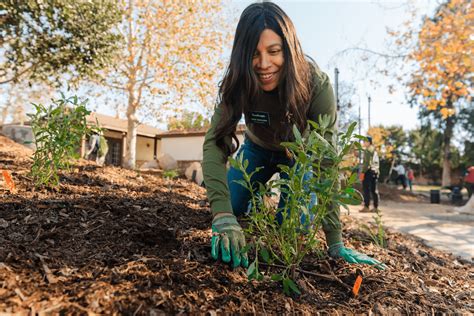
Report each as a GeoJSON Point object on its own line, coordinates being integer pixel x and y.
{"type": "Point", "coordinates": [261, 118]}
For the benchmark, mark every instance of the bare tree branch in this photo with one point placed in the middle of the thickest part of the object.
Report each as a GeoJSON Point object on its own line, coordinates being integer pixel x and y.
{"type": "Point", "coordinates": [344, 51]}
{"type": "Point", "coordinates": [17, 75]}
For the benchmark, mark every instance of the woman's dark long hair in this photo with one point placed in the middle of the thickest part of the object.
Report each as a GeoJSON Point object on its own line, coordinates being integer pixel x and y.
{"type": "Point", "coordinates": [240, 86]}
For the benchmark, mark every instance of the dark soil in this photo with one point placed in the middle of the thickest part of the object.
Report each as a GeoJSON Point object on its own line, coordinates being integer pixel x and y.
{"type": "Point", "coordinates": [115, 241]}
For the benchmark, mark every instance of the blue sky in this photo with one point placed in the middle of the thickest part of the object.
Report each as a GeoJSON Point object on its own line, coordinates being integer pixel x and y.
{"type": "Point", "coordinates": [328, 27]}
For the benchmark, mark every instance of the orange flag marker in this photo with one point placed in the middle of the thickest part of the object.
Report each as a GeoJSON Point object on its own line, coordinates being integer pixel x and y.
{"type": "Point", "coordinates": [357, 284]}
{"type": "Point", "coordinates": [9, 181]}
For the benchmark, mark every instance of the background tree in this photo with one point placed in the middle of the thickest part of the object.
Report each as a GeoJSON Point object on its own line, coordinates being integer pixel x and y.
{"type": "Point", "coordinates": [433, 60]}
{"type": "Point", "coordinates": [171, 57]}
{"type": "Point", "coordinates": [42, 40]}
{"type": "Point", "coordinates": [390, 142]}
{"type": "Point", "coordinates": [189, 120]}
{"type": "Point", "coordinates": [425, 144]}
{"type": "Point", "coordinates": [426, 149]}
{"type": "Point", "coordinates": [443, 70]}
{"type": "Point", "coordinates": [18, 97]}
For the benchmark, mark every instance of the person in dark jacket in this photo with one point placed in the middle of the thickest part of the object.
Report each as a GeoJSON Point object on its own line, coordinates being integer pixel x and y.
{"type": "Point", "coordinates": [370, 171]}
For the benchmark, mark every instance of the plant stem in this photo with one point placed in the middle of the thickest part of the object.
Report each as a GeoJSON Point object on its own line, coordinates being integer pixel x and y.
{"type": "Point", "coordinates": [327, 277]}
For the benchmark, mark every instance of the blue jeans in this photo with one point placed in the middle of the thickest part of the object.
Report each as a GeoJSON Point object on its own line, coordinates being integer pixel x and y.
{"type": "Point", "coordinates": [257, 157]}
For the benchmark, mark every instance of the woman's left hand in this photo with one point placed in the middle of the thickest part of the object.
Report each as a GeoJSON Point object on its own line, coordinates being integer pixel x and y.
{"type": "Point", "coordinates": [349, 255]}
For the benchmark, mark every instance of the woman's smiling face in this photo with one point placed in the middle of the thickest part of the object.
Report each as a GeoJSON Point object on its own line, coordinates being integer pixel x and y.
{"type": "Point", "coordinates": [268, 60]}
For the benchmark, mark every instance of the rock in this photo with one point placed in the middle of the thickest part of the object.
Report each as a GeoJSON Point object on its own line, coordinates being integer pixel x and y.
{"type": "Point", "coordinates": [166, 162]}
{"type": "Point", "coordinates": [194, 173]}
{"type": "Point", "coordinates": [3, 223]}
{"type": "Point", "coordinates": [153, 164]}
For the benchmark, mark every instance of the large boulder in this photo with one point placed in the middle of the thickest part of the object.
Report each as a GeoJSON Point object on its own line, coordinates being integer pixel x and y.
{"type": "Point", "coordinates": [166, 162]}
{"type": "Point", "coordinates": [194, 173]}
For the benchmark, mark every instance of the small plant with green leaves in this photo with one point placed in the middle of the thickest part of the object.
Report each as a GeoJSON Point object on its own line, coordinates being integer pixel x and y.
{"type": "Point", "coordinates": [58, 130]}
{"type": "Point", "coordinates": [377, 235]}
{"type": "Point", "coordinates": [170, 174]}
{"type": "Point", "coordinates": [282, 237]}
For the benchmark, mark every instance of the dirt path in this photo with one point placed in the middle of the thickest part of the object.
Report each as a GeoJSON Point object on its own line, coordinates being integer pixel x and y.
{"type": "Point", "coordinates": [441, 226]}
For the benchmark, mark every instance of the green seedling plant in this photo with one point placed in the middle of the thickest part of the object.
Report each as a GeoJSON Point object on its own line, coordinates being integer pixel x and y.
{"type": "Point", "coordinates": [58, 130]}
{"type": "Point", "coordinates": [311, 190]}
{"type": "Point", "coordinates": [377, 235]}
{"type": "Point", "coordinates": [170, 174]}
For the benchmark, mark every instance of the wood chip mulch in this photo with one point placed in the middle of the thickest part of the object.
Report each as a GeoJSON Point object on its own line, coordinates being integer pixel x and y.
{"type": "Point", "coordinates": [116, 241]}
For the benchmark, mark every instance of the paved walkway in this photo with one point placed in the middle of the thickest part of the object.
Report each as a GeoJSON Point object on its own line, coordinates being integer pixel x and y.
{"type": "Point", "coordinates": [441, 226]}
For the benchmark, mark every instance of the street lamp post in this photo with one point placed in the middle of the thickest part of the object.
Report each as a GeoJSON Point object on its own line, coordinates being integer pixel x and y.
{"type": "Point", "coordinates": [369, 99]}
{"type": "Point", "coordinates": [360, 121]}
{"type": "Point", "coordinates": [336, 78]}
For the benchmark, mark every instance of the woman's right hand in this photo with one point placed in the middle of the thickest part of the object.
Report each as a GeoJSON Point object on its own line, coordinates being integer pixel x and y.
{"type": "Point", "coordinates": [228, 237]}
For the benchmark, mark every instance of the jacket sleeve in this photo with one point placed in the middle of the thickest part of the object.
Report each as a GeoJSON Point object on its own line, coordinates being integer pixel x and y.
{"type": "Point", "coordinates": [323, 103]}
{"type": "Point", "coordinates": [215, 170]}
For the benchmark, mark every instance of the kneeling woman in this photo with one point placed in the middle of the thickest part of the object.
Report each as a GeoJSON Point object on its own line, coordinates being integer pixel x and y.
{"type": "Point", "coordinates": [275, 86]}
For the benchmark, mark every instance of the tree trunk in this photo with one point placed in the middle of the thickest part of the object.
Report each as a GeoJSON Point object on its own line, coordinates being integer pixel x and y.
{"type": "Point", "coordinates": [131, 152]}
{"type": "Point", "coordinates": [448, 133]}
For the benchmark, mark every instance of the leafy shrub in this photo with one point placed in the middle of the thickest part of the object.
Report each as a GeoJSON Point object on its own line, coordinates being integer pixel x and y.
{"type": "Point", "coordinates": [58, 130]}
{"type": "Point", "coordinates": [284, 236]}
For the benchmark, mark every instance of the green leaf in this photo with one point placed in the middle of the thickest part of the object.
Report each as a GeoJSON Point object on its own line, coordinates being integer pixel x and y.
{"type": "Point", "coordinates": [265, 254]}
{"type": "Point", "coordinates": [245, 164]}
{"type": "Point", "coordinates": [350, 200]}
{"type": "Point", "coordinates": [251, 270]}
{"type": "Point", "coordinates": [286, 288]}
{"type": "Point", "coordinates": [290, 285]}
{"type": "Point", "coordinates": [350, 129]}
{"type": "Point", "coordinates": [353, 178]}
{"type": "Point", "coordinates": [314, 124]}
{"type": "Point", "coordinates": [241, 182]}
{"type": "Point", "coordinates": [293, 286]}
{"type": "Point", "coordinates": [297, 134]}
{"type": "Point", "coordinates": [324, 121]}
{"type": "Point", "coordinates": [276, 277]}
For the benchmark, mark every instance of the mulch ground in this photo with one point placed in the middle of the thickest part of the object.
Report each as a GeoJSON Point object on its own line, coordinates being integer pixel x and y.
{"type": "Point", "coordinates": [116, 241]}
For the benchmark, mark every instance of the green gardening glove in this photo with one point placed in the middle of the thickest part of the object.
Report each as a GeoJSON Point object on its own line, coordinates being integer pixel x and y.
{"type": "Point", "coordinates": [227, 236]}
{"type": "Point", "coordinates": [338, 250]}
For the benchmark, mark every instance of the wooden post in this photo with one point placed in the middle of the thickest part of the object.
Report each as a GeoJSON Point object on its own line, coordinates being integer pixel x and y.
{"type": "Point", "coordinates": [124, 146]}
{"type": "Point", "coordinates": [83, 146]}
{"type": "Point", "coordinates": [155, 148]}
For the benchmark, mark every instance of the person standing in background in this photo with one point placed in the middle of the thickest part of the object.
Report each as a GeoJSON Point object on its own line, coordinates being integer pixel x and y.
{"type": "Point", "coordinates": [98, 146]}
{"type": "Point", "coordinates": [469, 180]}
{"type": "Point", "coordinates": [401, 177]}
{"type": "Point", "coordinates": [370, 171]}
{"type": "Point", "coordinates": [410, 178]}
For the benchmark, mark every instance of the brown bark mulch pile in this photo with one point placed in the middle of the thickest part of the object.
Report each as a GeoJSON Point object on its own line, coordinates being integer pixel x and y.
{"type": "Point", "coordinates": [116, 241]}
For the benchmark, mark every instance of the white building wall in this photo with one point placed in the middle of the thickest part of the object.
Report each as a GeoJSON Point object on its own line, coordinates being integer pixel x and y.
{"type": "Point", "coordinates": [186, 148]}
